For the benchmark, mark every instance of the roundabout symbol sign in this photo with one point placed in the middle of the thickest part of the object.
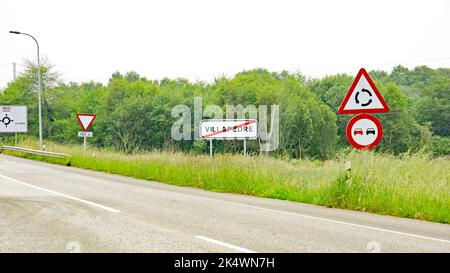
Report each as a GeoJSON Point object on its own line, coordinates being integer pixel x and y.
{"type": "Point", "coordinates": [363, 97]}
{"type": "Point", "coordinates": [6, 120]}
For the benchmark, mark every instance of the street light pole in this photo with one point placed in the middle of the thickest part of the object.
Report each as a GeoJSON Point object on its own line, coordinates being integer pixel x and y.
{"type": "Point", "coordinates": [39, 84]}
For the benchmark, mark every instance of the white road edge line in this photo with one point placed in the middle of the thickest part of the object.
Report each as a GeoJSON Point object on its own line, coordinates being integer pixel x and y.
{"type": "Point", "coordinates": [330, 220]}
{"type": "Point", "coordinates": [244, 250]}
{"type": "Point", "coordinates": [61, 194]}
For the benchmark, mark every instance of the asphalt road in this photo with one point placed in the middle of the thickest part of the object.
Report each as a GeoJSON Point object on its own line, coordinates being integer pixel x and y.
{"type": "Point", "coordinates": [50, 208]}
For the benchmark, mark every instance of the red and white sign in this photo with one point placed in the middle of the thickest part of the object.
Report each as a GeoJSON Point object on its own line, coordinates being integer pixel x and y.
{"type": "Point", "coordinates": [363, 97]}
{"type": "Point", "coordinates": [229, 129]}
{"type": "Point", "coordinates": [86, 120]}
{"type": "Point", "coordinates": [364, 131]}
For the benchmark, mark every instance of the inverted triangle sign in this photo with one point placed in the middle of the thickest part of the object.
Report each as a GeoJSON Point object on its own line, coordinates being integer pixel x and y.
{"type": "Point", "coordinates": [86, 120]}
{"type": "Point", "coordinates": [363, 97]}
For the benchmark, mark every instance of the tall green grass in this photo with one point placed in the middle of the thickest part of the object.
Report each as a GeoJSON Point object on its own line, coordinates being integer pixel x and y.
{"type": "Point", "coordinates": [415, 186]}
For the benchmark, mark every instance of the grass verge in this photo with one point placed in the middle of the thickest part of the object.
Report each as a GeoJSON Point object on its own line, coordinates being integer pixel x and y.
{"type": "Point", "coordinates": [409, 186]}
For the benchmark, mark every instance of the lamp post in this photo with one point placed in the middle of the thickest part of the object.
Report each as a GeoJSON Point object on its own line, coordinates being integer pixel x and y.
{"type": "Point", "coordinates": [39, 84]}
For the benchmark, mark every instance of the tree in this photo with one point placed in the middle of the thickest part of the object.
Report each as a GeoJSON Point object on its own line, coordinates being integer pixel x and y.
{"type": "Point", "coordinates": [331, 90]}
{"type": "Point", "coordinates": [434, 107]}
{"type": "Point", "coordinates": [401, 132]}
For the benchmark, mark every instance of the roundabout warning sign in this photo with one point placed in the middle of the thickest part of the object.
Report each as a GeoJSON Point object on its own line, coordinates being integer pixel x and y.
{"type": "Point", "coordinates": [363, 97]}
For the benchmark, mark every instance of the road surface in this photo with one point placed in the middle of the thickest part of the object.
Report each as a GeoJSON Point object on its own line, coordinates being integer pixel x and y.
{"type": "Point", "coordinates": [51, 208]}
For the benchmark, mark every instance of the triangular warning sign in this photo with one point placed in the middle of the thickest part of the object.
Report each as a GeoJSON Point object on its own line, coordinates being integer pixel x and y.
{"type": "Point", "coordinates": [86, 120]}
{"type": "Point", "coordinates": [363, 97]}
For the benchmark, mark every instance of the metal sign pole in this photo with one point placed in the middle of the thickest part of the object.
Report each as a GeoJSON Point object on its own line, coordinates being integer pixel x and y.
{"type": "Point", "coordinates": [15, 139]}
{"type": "Point", "coordinates": [245, 147]}
{"type": "Point", "coordinates": [84, 143]}
{"type": "Point", "coordinates": [366, 167]}
{"type": "Point", "coordinates": [210, 147]}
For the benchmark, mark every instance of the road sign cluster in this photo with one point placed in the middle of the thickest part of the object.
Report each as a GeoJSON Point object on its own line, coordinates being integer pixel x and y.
{"type": "Point", "coordinates": [363, 131]}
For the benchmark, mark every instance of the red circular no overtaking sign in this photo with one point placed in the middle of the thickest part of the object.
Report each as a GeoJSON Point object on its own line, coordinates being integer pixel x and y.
{"type": "Point", "coordinates": [364, 131]}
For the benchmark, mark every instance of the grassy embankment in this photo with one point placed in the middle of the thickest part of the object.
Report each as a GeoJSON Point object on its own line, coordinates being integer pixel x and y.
{"type": "Point", "coordinates": [409, 186]}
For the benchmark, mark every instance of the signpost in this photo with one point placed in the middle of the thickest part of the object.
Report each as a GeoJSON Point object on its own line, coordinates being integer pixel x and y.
{"type": "Point", "coordinates": [363, 131]}
{"type": "Point", "coordinates": [229, 129]}
{"type": "Point", "coordinates": [13, 119]}
{"type": "Point", "coordinates": [86, 122]}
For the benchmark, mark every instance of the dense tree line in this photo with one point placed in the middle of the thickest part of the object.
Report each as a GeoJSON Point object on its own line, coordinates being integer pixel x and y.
{"type": "Point", "coordinates": [134, 113]}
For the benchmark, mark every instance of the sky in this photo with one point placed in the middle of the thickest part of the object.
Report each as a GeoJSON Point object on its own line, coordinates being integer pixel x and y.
{"type": "Point", "coordinates": [204, 39]}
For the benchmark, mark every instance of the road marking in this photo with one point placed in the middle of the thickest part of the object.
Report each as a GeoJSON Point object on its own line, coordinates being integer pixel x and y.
{"type": "Point", "coordinates": [244, 250]}
{"type": "Point", "coordinates": [61, 194]}
{"type": "Point", "coordinates": [328, 220]}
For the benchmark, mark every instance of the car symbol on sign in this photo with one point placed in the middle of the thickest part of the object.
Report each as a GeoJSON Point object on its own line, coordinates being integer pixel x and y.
{"type": "Point", "coordinates": [358, 131]}
{"type": "Point", "coordinates": [370, 131]}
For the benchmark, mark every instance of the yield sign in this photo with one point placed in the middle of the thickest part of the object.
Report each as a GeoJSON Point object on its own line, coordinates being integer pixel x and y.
{"type": "Point", "coordinates": [363, 97]}
{"type": "Point", "coordinates": [86, 120]}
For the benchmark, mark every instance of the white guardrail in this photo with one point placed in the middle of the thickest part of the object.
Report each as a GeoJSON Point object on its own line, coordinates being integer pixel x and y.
{"type": "Point", "coordinates": [30, 151]}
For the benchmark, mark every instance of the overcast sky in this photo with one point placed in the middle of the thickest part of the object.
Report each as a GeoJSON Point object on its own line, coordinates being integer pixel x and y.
{"type": "Point", "coordinates": [202, 39]}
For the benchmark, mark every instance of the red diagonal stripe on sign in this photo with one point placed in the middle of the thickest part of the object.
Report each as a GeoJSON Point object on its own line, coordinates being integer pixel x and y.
{"type": "Point", "coordinates": [229, 129]}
